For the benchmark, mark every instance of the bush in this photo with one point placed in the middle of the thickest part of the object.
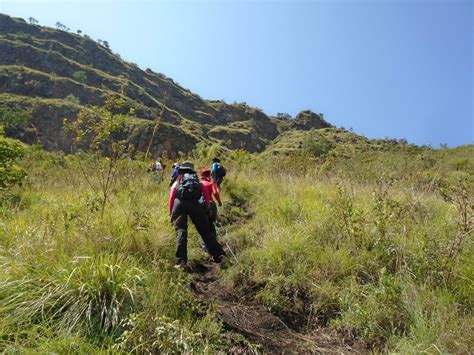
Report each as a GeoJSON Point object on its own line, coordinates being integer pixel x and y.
{"type": "Point", "coordinates": [72, 99]}
{"type": "Point", "coordinates": [80, 75]}
{"type": "Point", "coordinates": [317, 146]}
{"type": "Point", "coordinates": [10, 173]}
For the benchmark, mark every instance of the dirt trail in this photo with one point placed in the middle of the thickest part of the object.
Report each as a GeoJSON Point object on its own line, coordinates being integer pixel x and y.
{"type": "Point", "coordinates": [244, 316]}
{"type": "Point", "coordinates": [241, 314]}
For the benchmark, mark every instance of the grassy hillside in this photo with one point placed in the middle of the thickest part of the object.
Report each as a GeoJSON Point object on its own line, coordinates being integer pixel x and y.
{"type": "Point", "coordinates": [336, 243]}
{"type": "Point", "coordinates": [45, 63]}
{"type": "Point", "coordinates": [365, 250]}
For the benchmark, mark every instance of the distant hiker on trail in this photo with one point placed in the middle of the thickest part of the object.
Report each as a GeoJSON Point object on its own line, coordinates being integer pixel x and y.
{"type": "Point", "coordinates": [174, 174]}
{"type": "Point", "coordinates": [212, 190]}
{"type": "Point", "coordinates": [158, 170]}
{"type": "Point", "coordinates": [184, 201]}
{"type": "Point", "coordinates": [217, 171]}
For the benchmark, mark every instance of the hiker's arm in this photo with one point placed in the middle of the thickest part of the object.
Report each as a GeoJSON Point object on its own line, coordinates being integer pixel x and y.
{"type": "Point", "coordinates": [171, 200]}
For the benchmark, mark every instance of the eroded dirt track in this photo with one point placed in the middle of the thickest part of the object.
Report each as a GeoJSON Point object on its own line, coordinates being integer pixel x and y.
{"type": "Point", "coordinates": [259, 326]}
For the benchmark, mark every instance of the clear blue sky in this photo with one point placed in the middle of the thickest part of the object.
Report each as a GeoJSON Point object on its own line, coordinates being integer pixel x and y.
{"type": "Point", "coordinates": [385, 68]}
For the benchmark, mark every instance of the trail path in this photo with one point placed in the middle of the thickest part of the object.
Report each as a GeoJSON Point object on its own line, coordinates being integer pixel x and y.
{"type": "Point", "coordinates": [242, 314]}
{"type": "Point", "coordinates": [246, 317]}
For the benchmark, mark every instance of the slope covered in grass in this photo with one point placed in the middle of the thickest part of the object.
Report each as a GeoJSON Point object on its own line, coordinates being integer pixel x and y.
{"type": "Point", "coordinates": [375, 245]}
{"type": "Point", "coordinates": [45, 63]}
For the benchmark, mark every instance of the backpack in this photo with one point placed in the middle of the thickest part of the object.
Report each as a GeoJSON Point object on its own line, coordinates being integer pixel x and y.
{"type": "Point", "coordinates": [220, 170]}
{"type": "Point", "coordinates": [189, 188]}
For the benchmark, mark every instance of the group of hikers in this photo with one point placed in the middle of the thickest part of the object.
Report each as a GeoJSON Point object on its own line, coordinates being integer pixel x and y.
{"type": "Point", "coordinates": [192, 195]}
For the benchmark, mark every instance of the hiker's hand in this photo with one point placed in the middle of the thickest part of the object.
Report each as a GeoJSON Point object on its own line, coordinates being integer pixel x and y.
{"type": "Point", "coordinates": [220, 204]}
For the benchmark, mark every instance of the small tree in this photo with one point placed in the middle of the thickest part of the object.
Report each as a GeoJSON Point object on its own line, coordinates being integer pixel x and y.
{"type": "Point", "coordinates": [10, 173]}
{"type": "Point", "coordinates": [62, 27]}
{"type": "Point", "coordinates": [32, 21]}
{"type": "Point", "coordinates": [78, 32]}
{"type": "Point", "coordinates": [284, 115]}
{"type": "Point", "coordinates": [100, 130]}
{"type": "Point", "coordinates": [106, 44]}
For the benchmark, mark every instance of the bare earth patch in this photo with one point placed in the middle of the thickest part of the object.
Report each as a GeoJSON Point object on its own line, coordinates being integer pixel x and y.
{"type": "Point", "coordinates": [259, 326]}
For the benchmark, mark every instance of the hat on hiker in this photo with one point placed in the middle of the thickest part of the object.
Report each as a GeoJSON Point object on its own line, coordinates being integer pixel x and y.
{"type": "Point", "coordinates": [187, 166]}
{"type": "Point", "coordinates": [216, 160]}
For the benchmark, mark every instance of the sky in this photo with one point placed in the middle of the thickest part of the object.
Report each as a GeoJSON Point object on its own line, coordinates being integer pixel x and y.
{"type": "Point", "coordinates": [385, 68]}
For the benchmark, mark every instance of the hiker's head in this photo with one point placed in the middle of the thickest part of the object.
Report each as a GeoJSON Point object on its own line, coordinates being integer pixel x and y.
{"type": "Point", "coordinates": [186, 167]}
{"type": "Point", "coordinates": [205, 174]}
{"type": "Point", "coordinates": [216, 160]}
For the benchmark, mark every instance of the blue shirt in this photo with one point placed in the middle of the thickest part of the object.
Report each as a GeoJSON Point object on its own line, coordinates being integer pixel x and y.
{"type": "Point", "coordinates": [175, 173]}
{"type": "Point", "coordinates": [214, 168]}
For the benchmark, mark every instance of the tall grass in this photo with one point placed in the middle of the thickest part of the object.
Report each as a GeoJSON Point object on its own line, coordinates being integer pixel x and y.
{"type": "Point", "coordinates": [374, 244]}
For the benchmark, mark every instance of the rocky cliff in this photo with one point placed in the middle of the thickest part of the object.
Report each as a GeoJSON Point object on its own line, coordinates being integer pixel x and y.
{"type": "Point", "coordinates": [52, 73]}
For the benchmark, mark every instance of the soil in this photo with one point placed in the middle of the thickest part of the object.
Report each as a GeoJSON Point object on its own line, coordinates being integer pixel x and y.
{"type": "Point", "coordinates": [264, 330]}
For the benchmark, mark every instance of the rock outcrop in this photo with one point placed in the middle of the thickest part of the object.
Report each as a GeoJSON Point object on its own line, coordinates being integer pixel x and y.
{"type": "Point", "coordinates": [53, 73]}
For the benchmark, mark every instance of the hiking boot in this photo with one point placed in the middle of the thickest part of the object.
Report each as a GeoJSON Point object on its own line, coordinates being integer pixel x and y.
{"type": "Point", "coordinates": [223, 262]}
{"type": "Point", "coordinates": [217, 260]}
{"type": "Point", "coordinates": [181, 265]}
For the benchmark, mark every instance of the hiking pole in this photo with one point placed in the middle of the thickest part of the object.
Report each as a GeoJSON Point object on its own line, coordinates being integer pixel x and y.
{"type": "Point", "coordinates": [228, 246]}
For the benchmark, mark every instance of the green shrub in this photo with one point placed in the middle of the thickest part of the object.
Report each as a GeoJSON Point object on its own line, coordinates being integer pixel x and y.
{"type": "Point", "coordinates": [80, 76]}
{"type": "Point", "coordinates": [10, 173]}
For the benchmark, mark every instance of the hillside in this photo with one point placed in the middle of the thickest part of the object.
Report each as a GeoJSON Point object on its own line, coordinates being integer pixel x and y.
{"type": "Point", "coordinates": [335, 243]}
{"type": "Point", "coordinates": [372, 254]}
{"type": "Point", "coordinates": [51, 73]}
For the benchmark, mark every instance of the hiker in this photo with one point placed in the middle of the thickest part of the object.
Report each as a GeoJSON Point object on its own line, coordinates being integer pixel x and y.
{"type": "Point", "coordinates": [158, 170]}
{"type": "Point", "coordinates": [217, 172]}
{"type": "Point", "coordinates": [184, 201]}
{"type": "Point", "coordinates": [213, 191]}
{"type": "Point", "coordinates": [174, 174]}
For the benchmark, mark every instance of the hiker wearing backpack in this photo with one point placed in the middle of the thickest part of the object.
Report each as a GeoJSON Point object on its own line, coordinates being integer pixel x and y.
{"type": "Point", "coordinates": [185, 194]}
{"type": "Point", "coordinates": [217, 171]}
{"type": "Point", "coordinates": [174, 174]}
{"type": "Point", "coordinates": [213, 191]}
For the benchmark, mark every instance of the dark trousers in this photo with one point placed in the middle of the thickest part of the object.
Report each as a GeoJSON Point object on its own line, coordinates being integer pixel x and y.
{"type": "Point", "coordinates": [217, 180]}
{"type": "Point", "coordinates": [179, 218]}
{"type": "Point", "coordinates": [212, 218]}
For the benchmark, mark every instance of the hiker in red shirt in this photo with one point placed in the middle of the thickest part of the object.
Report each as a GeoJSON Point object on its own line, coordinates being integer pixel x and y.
{"type": "Point", "coordinates": [212, 190]}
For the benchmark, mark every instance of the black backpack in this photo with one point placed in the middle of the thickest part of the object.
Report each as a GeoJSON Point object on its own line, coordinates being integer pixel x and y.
{"type": "Point", "coordinates": [189, 188]}
{"type": "Point", "coordinates": [220, 170]}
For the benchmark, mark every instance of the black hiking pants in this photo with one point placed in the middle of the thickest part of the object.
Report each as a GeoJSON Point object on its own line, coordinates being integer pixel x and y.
{"type": "Point", "coordinates": [179, 218]}
{"type": "Point", "coordinates": [211, 215]}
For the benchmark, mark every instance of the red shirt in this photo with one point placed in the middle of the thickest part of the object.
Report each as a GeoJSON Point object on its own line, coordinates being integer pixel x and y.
{"type": "Point", "coordinates": [212, 189]}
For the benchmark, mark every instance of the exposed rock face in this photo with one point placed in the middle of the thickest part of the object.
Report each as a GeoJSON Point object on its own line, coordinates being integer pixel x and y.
{"type": "Point", "coordinates": [54, 73]}
{"type": "Point", "coordinates": [307, 120]}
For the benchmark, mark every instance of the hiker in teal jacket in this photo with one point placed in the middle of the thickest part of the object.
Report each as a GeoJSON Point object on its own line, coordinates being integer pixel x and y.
{"type": "Point", "coordinates": [217, 171]}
